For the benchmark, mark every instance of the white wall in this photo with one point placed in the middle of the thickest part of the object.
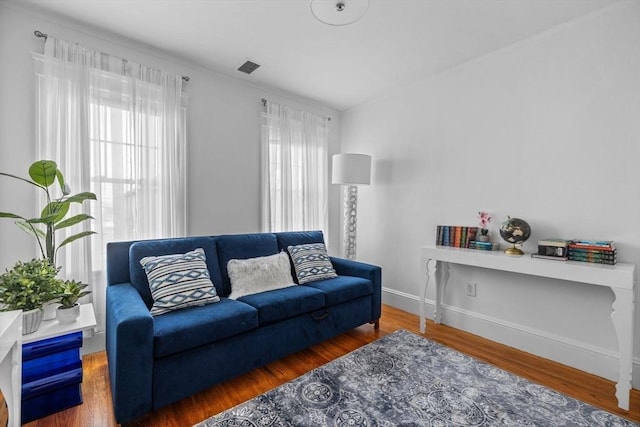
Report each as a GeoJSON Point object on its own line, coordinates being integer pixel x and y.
{"type": "Point", "coordinates": [223, 129]}
{"type": "Point", "coordinates": [547, 130]}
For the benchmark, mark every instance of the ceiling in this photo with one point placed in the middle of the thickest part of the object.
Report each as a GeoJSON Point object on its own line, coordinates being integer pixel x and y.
{"type": "Point", "coordinates": [396, 43]}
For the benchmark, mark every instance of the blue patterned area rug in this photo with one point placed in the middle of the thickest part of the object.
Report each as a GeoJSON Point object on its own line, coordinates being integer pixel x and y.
{"type": "Point", "coordinates": [403, 379]}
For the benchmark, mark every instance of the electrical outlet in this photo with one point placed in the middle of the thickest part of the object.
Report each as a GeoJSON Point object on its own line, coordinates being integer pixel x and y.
{"type": "Point", "coordinates": [471, 289]}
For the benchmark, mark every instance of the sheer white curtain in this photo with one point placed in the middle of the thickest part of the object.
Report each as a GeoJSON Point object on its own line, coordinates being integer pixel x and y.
{"type": "Point", "coordinates": [116, 128]}
{"type": "Point", "coordinates": [294, 151]}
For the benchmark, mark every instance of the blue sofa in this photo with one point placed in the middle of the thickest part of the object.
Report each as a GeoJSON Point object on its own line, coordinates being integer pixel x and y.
{"type": "Point", "coordinates": [155, 361]}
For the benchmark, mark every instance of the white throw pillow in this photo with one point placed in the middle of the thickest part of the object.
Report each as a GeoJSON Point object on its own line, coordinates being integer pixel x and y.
{"type": "Point", "coordinates": [253, 275]}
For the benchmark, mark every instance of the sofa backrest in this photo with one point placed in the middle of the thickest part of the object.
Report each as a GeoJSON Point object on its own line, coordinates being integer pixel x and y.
{"type": "Point", "coordinates": [242, 246]}
{"type": "Point", "coordinates": [118, 262]}
{"type": "Point", "coordinates": [294, 238]}
{"type": "Point", "coordinates": [123, 258]}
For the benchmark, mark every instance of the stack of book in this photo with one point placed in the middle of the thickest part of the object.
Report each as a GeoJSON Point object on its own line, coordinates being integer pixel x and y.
{"type": "Point", "coordinates": [595, 251]}
{"type": "Point", "coordinates": [456, 236]}
{"type": "Point", "coordinates": [555, 249]}
{"type": "Point", "coordinates": [483, 246]}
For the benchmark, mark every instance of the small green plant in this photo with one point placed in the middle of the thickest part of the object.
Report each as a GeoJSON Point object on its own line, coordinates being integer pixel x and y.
{"type": "Point", "coordinates": [28, 285]}
{"type": "Point", "coordinates": [44, 173]}
{"type": "Point", "coordinates": [70, 292]}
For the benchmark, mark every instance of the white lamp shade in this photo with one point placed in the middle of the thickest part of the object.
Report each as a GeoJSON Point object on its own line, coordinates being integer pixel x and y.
{"type": "Point", "coordinates": [351, 169]}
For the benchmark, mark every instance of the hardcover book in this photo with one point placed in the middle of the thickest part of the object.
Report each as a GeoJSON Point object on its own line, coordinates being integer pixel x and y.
{"type": "Point", "coordinates": [553, 257]}
{"type": "Point", "coordinates": [603, 244]}
{"type": "Point", "coordinates": [610, 248]}
{"type": "Point", "coordinates": [593, 261]}
{"type": "Point", "coordinates": [546, 250]}
{"type": "Point", "coordinates": [554, 242]}
{"type": "Point", "coordinates": [593, 252]}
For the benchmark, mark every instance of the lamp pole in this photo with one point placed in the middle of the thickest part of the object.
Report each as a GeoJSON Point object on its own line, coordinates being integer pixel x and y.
{"type": "Point", "coordinates": [350, 221]}
{"type": "Point", "coordinates": [350, 170]}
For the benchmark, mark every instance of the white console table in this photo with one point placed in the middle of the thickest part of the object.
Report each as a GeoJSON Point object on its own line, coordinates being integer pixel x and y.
{"type": "Point", "coordinates": [620, 278]}
{"type": "Point", "coordinates": [11, 363]}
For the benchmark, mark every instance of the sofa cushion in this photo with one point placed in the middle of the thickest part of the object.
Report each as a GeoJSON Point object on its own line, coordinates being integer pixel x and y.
{"type": "Point", "coordinates": [286, 303]}
{"type": "Point", "coordinates": [242, 246]}
{"type": "Point", "coordinates": [179, 281]}
{"type": "Point", "coordinates": [311, 262]}
{"type": "Point", "coordinates": [342, 288]}
{"type": "Point", "coordinates": [254, 275]}
{"type": "Point", "coordinates": [143, 248]}
{"type": "Point", "coordinates": [182, 330]}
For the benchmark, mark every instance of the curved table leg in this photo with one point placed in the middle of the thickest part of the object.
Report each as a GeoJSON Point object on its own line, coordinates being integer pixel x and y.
{"type": "Point", "coordinates": [442, 276]}
{"type": "Point", "coordinates": [423, 297]}
{"type": "Point", "coordinates": [622, 317]}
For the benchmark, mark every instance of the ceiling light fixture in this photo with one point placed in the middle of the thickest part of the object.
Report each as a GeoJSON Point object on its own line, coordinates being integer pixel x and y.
{"type": "Point", "coordinates": [339, 12]}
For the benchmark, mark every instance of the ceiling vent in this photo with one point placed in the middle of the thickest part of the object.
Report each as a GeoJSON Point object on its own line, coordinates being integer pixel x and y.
{"type": "Point", "coordinates": [248, 67]}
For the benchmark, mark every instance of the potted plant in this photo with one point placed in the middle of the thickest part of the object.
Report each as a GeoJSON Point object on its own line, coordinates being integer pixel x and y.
{"type": "Point", "coordinates": [44, 173]}
{"type": "Point", "coordinates": [53, 217]}
{"type": "Point", "coordinates": [484, 220]}
{"type": "Point", "coordinates": [70, 292]}
{"type": "Point", "coordinates": [27, 286]}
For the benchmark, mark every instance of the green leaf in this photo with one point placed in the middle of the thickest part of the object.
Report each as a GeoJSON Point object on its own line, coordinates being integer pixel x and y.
{"type": "Point", "coordinates": [30, 229]}
{"type": "Point", "coordinates": [73, 221]}
{"type": "Point", "coordinates": [81, 197]}
{"type": "Point", "coordinates": [9, 215]}
{"type": "Point", "coordinates": [21, 179]}
{"type": "Point", "coordinates": [42, 219]}
{"type": "Point", "coordinates": [76, 237]}
{"type": "Point", "coordinates": [63, 186]}
{"type": "Point", "coordinates": [55, 211]}
{"type": "Point", "coordinates": [44, 172]}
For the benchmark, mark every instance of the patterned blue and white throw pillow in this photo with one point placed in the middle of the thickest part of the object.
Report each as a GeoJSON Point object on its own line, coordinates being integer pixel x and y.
{"type": "Point", "coordinates": [311, 262]}
{"type": "Point", "coordinates": [178, 281]}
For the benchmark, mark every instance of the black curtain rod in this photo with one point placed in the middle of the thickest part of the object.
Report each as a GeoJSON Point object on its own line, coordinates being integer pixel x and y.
{"type": "Point", "coordinates": [264, 104]}
{"type": "Point", "coordinates": [41, 35]}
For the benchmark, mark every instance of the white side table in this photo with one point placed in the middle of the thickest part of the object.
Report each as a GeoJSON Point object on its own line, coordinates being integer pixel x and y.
{"type": "Point", "coordinates": [52, 366]}
{"type": "Point", "coordinates": [51, 328]}
{"type": "Point", "coordinates": [11, 362]}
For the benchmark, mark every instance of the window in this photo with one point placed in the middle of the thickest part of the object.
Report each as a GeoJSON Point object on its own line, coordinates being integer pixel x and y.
{"type": "Point", "coordinates": [116, 128]}
{"type": "Point", "coordinates": [295, 170]}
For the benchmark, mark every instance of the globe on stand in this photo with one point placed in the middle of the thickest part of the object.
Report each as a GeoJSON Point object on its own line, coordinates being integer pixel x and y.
{"type": "Point", "coordinates": [515, 231]}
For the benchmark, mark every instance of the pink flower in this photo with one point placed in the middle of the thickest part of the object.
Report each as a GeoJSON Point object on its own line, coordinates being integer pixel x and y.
{"type": "Point", "coordinates": [485, 219]}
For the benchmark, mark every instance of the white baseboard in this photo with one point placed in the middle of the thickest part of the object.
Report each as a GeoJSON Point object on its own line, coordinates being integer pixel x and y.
{"type": "Point", "coordinates": [581, 355]}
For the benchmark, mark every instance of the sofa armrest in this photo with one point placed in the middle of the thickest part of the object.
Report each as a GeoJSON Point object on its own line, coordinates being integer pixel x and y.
{"type": "Point", "coordinates": [347, 267]}
{"type": "Point", "coordinates": [129, 345]}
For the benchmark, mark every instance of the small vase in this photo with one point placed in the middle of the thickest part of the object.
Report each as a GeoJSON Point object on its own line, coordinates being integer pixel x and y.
{"type": "Point", "coordinates": [49, 309]}
{"type": "Point", "coordinates": [483, 238]}
{"type": "Point", "coordinates": [31, 320]}
{"type": "Point", "coordinates": [66, 316]}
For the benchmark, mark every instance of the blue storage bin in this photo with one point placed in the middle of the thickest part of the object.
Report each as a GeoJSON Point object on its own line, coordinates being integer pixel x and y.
{"type": "Point", "coordinates": [53, 345]}
{"type": "Point", "coordinates": [50, 403]}
{"type": "Point", "coordinates": [52, 364]}
{"type": "Point", "coordinates": [51, 376]}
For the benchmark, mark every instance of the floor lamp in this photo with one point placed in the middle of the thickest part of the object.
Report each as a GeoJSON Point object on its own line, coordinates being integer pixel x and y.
{"type": "Point", "coordinates": [350, 170]}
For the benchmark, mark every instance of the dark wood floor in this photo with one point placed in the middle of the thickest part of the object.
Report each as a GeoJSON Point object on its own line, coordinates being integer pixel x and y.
{"type": "Point", "coordinates": [96, 409]}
